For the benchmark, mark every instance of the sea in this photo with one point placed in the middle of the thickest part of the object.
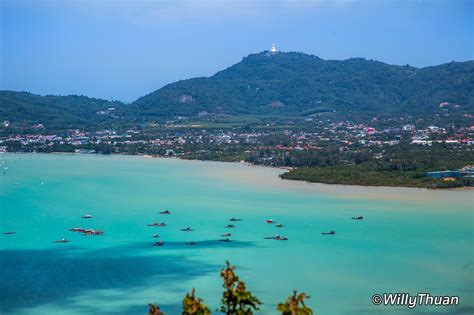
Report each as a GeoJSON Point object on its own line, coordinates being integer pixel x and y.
{"type": "Point", "coordinates": [409, 241]}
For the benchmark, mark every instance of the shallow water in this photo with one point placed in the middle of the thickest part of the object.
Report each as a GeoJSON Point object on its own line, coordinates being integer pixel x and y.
{"type": "Point", "coordinates": [411, 240]}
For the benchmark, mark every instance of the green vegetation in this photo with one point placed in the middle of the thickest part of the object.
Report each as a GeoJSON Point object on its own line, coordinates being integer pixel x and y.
{"type": "Point", "coordinates": [301, 84]}
{"type": "Point", "coordinates": [284, 109]}
{"type": "Point", "coordinates": [73, 111]}
{"type": "Point", "coordinates": [401, 165]}
{"type": "Point", "coordinates": [194, 305]}
{"type": "Point", "coordinates": [292, 305]}
{"type": "Point", "coordinates": [237, 300]}
{"type": "Point", "coordinates": [263, 84]}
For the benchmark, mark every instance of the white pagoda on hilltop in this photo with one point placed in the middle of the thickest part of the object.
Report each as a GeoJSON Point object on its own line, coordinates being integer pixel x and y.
{"type": "Point", "coordinates": [273, 50]}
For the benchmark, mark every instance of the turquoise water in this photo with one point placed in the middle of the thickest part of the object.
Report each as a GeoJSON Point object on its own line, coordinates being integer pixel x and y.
{"type": "Point", "coordinates": [411, 240]}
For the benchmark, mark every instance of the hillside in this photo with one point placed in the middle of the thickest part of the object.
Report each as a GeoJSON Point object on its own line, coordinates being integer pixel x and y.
{"type": "Point", "coordinates": [281, 84]}
{"type": "Point", "coordinates": [301, 84]}
{"type": "Point", "coordinates": [22, 108]}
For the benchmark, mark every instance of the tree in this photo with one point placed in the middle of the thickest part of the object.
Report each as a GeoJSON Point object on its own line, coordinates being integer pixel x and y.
{"type": "Point", "coordinates": [154, 310]}
{"type": "Point", "coordinates": [236, 300]}
{"type": "Point", "coordinates": [194, 306]}
{"type": "Point", "coordinates": [292, 305]}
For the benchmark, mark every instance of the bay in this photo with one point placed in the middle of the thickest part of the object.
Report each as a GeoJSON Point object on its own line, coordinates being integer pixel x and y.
{"type": "Point", "coordinates": [411, 240]}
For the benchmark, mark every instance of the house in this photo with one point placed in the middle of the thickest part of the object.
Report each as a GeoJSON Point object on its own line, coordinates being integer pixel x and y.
{"type": "Point", "coordinates": [444, 174]}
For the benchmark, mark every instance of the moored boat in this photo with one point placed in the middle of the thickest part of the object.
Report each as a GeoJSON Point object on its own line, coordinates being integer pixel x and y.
{"type": "Point", "coordinates": [157, 224]}
{"type": "Point", "coordinates": [329, 233]}
{"type": "Point", "coordinates": [63, 240]}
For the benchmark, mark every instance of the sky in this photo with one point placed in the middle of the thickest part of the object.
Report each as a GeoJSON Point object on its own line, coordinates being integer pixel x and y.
{"type": "Point", "coordinates": [121, 50]}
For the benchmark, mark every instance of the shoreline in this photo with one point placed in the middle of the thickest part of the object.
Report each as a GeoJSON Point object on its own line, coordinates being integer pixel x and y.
{"type": "Point", "coordinates": [287, 169]}
{"type": "Point", "coordinates": [248, 164]}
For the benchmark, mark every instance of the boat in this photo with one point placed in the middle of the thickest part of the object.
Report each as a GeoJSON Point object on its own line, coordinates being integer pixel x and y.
{"type": "Point", "coordinates": [280, 238]}
{"type": "Point", "coordinates": [358, 218]}
{"type": "Point", "coordinates": [225, 240]}
{"type": "Point", "coordinates": [9, 233]}
{"type": "Point", "coordinates": [187, 229]}
{"type": "Point", "coordinates": [277, 237]}
{"type": "Point", "coordinates": [165, 212]}
{"type": "Point", "coordinates": [159, 243]}
{"type": "Point", "coordinates": [87, 216]}
{"type": "Point", "coordinates": [191, 243]}
{"type": "Point", "coordinates": [226, 235]}
{"type": "Point", "coordinates": [157, 224]}
{"type": "Point", "coordinates": [269, 221]}
{"type": "Point", "coordinates": [280, 225]}
{"type": "Point", "coordinates": [235, 219]}
{"type": "Point", "coordinates": [328, 233]}
{"type": "Point", "coordinates": [93, 232]}
{"type": "Point", "coordinates": [63, 240]}
{"type": "Point", "coordinates": [230, 226]}
{"type": "Point", "coordinates": [155, 236]}
{"type": "Point", "coordinates": [75, 229]}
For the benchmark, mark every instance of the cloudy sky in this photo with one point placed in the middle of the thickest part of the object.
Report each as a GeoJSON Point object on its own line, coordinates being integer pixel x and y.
{"type": "Point", "coordinates": [125, 49]}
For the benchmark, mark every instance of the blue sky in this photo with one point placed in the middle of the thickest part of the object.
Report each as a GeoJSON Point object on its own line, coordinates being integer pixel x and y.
{"type": "Point", "coordinates": [126, 49]}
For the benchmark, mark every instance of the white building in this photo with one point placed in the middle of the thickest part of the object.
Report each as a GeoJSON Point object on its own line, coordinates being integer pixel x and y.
{"type": "Point", "coordinates": [273, 50]}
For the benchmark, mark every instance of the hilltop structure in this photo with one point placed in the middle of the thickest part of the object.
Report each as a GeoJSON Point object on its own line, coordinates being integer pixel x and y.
{"type": "Point", "coordinates": [273, 50]}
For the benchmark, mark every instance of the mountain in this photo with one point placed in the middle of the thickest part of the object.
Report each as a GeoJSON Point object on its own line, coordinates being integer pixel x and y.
{"type": "Point", "coordinates": [300, 84]}
{"type": "Point", "coordinates": [22, 108]}
{"type": "Point", "coordinates": [277, 84]}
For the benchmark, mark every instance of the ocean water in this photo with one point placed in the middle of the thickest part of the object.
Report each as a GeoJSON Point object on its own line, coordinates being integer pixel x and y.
{"type": "Point", "coordinates": [411, 240]}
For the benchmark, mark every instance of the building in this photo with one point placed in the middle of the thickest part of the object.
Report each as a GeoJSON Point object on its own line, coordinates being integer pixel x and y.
{"type": "Point", "coordinates": [466, 172]}
{"type": "Point", "coordinates": [273, 50]}
{"type": "Point", "coordinates": [444, 174]}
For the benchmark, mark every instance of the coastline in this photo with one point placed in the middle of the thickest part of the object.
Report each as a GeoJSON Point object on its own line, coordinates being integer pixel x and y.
{"type": "Point", "coordinates": [248, 164]}
{"type": "Point", "coordinates": [287, 169]}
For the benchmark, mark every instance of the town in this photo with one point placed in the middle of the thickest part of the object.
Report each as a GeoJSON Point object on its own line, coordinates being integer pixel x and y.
{"type": "Point", "coordinates": [308, 142]}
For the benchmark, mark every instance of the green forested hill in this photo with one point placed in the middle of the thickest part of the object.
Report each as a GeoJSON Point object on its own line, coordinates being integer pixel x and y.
{"type": "Point", "coordinates": [22, 108]}
{"type": "Point", "coordinates": [280, 84]}
{"type": "Point", "coordinates": [296, 83]}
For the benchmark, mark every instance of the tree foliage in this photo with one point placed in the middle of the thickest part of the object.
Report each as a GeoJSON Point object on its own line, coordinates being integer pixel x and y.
{"type": "Point", "coordinates": [73, 111]}
{"type": "Point", "coordinates": [301, 84]}
{"type": "Point", "coordinates": [194, 306]}
{"type": "Point", "coordinates": [401, 165]}
{"type": "Point", "coordinates": [236, 299]}
{"type": "Point", "coordinates": [294, 305]}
